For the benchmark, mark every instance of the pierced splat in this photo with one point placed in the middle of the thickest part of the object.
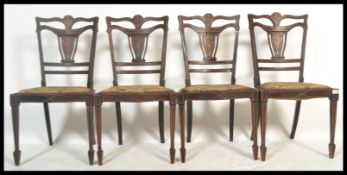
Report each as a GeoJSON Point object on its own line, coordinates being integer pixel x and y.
{"type": "Point", "coordinates": [209, 45]}
{"type": "Point", "coordinates": [277, 39]}
{"type": "Point", "coordinates": [67, 37]}
{"type": "Point", "coordinates": [68, 43]}
{"type": "Point", "coordinates": [277, 42]}
{"type": "Point", "coordinates": [138, 36]}
{"type": "Point", "coordinates": [138, 42]}
{"type": "Point", "coordinates": [138, 47]}
{"type": "Point", "coordinates": [277, 34]}
{"type": "Point", "coordinates": [208, 35]}
{"type": "Point", "coordinates": [208, 39]}
{"type": "Point", "coordinates": [67, 48]}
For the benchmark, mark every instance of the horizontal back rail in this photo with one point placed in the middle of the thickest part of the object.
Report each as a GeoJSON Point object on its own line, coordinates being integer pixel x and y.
{"type": "Point", "coordinates": [66, 64]}
{"type": "Point", "coordinates": [210, 62]}
{"type": "Point", "coordinates": [210, 70]}
{"type": "Point", "coordinates": [138, 71]}
{"type": "Point", "coordinates": [279, 68]}
{"type": "Point", "coordinates": [153, 63]}
{"type": "Point", "coordinates": [66, 72]}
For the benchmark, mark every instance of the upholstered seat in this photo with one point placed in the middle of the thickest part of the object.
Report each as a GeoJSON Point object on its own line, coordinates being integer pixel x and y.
{"type": "Point", "coordinates": [56, 90]}
{"type": "Point", "coordinates": [214, 88]}
{"type": "Point", "coordinates": [292, 86]}
{"type": "Point", "coordinates": [136, 89]}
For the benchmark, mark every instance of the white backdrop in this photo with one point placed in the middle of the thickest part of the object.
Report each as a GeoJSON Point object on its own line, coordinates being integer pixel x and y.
{"type": "Point", "coordinates": [323, 65]}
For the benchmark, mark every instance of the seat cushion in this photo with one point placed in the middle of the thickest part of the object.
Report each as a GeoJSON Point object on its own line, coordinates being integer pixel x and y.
{"type": "Point", "coordinates": [136, 89]}
{"type": "Point", "coordinates": [57, 90]}
{"type": "Point", "coordinates": [214, 88]}
{"type": "Point", "coordinates": [292, 86]}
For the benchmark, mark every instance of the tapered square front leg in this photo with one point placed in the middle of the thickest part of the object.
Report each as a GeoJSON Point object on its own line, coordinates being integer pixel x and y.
{"type": "Point", "coordinates": [173, 103]}
{"type": "Point", "coordinates": [98, 104]}
{"type": "Point", "coordinates": [263, 99]}
{"type": "Point", "coordinates": [333, 107]}
{"type": "Point", "coordinates": [181, 101]}
{"type": "Point", "coordinates": [90, 130]}
{"type": "Point", "coordinates": [255, 121]}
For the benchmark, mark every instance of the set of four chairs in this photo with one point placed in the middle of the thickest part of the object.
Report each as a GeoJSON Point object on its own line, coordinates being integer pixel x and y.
{"type": "Point", "coordinates": [138, 41]}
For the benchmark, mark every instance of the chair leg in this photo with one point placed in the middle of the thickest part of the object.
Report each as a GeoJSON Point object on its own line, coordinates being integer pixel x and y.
{"type": "Point", "coordinates": [98, 132]}
{"type": "Point", "coordinates": [172, 126]}
{"type": "Point", "coordinates": [263, 126]}
{"type": "Point", "coordinates": [119, 123]}
{"type": "Point", "coordinates": [189, 120]}
{"type": "Point", "coordinates": [231, 120]}
{"type": "Point", "coordinates": [93, 128]}
{"type": "Point", "coordinates": [90, 132]}
{"type": "Point", "coordinates": [15, 122]}
{"type": "Point", "coordinates": [259, 116]}
{"type": "Point", "coordinates": [181, 118]}
{"type": "Point", "coordinates": [48, 123]}
{"type": "Point", "coordinates": [333, 108]}
{"type": "Point", "coordinates": [161, 122]}
{"type": "Point", "coordinates": [296, 118]}
{"type": "Point", "coordinates": [255, 122]}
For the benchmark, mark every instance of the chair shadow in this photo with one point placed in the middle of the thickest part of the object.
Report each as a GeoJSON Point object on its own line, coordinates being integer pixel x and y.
{"type": "Point", "coordinates": [115, 153]}
{"type": "Point", "coordinates": [313, 149]}
{"type": "Point", "coordinates": [220, 124]}
{"type": "Point", "coordinates": [135, 128]}
{"type": "Point", "coordinates": [248, 154]}
{"type": "Point", "coordinates": [276, 118]}
{"type": "Point", "coordinates": [76, 122]}
{"type": "Point", "coordinates": [145, 123]}
{"type": "Point", "coordinates": [11, 160]}
{"type": "Point", "coordinates": [276, 121]}
{"type": "Point", "coordinates": [217, 128]}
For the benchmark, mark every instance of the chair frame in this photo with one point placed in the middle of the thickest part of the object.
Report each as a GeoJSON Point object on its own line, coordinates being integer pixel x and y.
{"type": "Point", "coordinates": [277, 51]}
{"type": "Point", "coordinates": [138, 46]}
{"type": "Point", "coordinates": [67, 38]}
{"type": "Point", "coordinates": [209, 59]}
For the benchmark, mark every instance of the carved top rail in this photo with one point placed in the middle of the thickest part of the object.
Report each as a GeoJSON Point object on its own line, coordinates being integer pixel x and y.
{"type": "Point", "coordinates": [67, 37]}
{"type": "Point", "coordinates": [277, 33]}
{"type": "Point", "coordinates": [137, 37]}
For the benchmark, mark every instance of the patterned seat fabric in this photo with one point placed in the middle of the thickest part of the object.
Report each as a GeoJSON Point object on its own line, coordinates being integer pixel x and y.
{"type": "Point", "coordinates": [57, 90]}
{"type": "Point", "coordinates": [215, 88]}
{"type": "Point", "coordinates": [137, 89]}
{"type": "Point", "coordinates": [292, 86]}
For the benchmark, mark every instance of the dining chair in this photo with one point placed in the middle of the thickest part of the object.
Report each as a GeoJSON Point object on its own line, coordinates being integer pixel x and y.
{"type": "Point", "coordinates": [67, 41]}
{"type": "Point", "coordinates": [277, 36]}
{"type": "Point", "coordinates": [138, 41]}
{"type": "Point", "coordinates": [208, 42]}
